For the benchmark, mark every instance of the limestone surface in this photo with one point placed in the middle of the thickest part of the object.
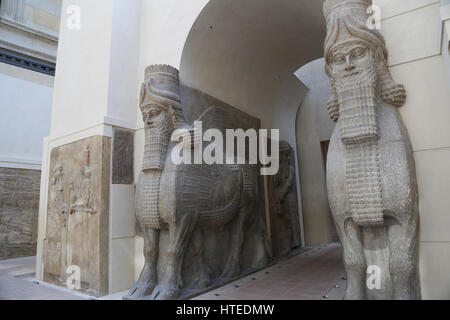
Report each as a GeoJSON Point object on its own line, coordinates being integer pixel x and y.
{"type": "Point", "coordinates": [77, 228]}
{"type": "Point", "coordinates": [19, 205]}
{"type": "Point", "coordinates": [184, 209]}
{"type": "Point", "coordinates": [284, 218]}
{"type": "Point", "coordinates": [371, 176]}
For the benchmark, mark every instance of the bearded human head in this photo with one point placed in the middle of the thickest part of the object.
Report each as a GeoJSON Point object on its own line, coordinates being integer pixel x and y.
{"type": "Point", "coordinates": [161, 112]}
{"type": "Point", "coordinates": [354, 52]}
{"type": "Point", "coordinates": [160, 96]}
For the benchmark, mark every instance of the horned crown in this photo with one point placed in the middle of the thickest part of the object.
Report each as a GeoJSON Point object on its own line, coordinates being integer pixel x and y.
{"type": "Point", "coordinates": [331, 6]}
{"type": "Point", "coordinates": [161, 86]}
{"type": "Point", "coordinates": [162, 69]}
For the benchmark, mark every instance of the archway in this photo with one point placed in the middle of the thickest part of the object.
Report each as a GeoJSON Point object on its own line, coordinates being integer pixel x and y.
{"type": "Point", "coordinates": [245, 53]}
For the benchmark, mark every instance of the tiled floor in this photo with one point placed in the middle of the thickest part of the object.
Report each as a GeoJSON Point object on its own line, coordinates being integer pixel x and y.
{"type": "Point", "coordinates": [315, 274]}
{"type": "Point", "coordinates": [311, 275]}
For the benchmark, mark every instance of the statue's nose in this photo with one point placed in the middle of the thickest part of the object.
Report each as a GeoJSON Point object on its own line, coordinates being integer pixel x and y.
{"type": "Point", "coordinates": [349, 66]}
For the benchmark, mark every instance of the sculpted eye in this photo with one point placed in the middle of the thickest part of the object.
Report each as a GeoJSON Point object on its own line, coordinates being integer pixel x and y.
{"type": "Point", "coordinates": [154, 113]}
{"type": "Point", "coordinates": [339, 59]}
{"type": "Point", "coordinates": [358, 53]}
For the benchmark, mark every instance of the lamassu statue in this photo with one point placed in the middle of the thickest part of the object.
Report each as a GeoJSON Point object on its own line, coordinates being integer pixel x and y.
{"type": "Point", "coordinates": [371, 177]}
{"type": "Point", "coordinates": [184, 198]}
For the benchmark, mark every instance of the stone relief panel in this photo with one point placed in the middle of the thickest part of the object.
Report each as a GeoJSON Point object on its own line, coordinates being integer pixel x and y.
{"type": "Point", "coordinates": [77, 229]}
{"type": "Point", "coordinates": [284, 216]}
{"type": "Point", "coordinates": [122, 157]}
{"type": "Point", "coordinates": [371, 175]}
{"type": "Point", "coordinates": [19, 208]}
{"type": "Point", "coordinates": [202, 224]}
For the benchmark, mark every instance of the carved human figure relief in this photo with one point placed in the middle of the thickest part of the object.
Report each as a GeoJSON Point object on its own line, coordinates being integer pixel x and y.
{"type": "Point", "coordinates": [57, 221]}
{"type": "Point", "coordinates": [58, 205]}
{"type": "Point", "coordinates": [77, 213]}
{"type": "Point", "coordinates": [370, 171]}
{"type": "Point", "coordinates": [285, 228]}
{"type": "Point", "coordinates": [185, 198]}
{"type": "Point", "coordinates": [80, 197]}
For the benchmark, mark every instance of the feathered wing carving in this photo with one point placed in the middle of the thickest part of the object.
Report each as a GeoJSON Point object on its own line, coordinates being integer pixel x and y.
{"type": "Point", "coordinates": [212, 190]}
{"type": "Point", "coordinates": [216, 191]}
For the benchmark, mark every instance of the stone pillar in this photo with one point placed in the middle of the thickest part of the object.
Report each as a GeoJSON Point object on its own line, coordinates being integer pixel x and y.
{"type": "Point", "coordinates": [86, 214]}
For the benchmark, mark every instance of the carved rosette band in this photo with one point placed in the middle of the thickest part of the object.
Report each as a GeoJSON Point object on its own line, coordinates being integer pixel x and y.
{"type": "Point", "coordinates": [363, 180]}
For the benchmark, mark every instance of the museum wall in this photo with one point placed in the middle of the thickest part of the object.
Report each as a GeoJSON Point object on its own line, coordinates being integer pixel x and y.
{"type": "Point", "coordinates": [82, 54]}
{"type": "Point", "coordinates": [411, 30]}
{"type": "Point", "coordinates": [24, 123]}
{"type": "Point", "coordinates": [313, 128]}
{"type": "Point", "coordinates": [26, 107]}
{"type": "Point", "coordinates": [26, 28]}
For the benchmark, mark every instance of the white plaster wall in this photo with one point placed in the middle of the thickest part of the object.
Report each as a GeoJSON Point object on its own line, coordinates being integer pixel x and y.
{"type": "Point", "coordinates": [246, 54]}
{"type": "Point", "coordinates": [83, 68]}
{"type": "Point", "coordinates": [445, 45]}
{"type": "Point", "coordinates": [412, 32]}
{"type": "Point", "coordinates": [313, 126]}
{"type": "Point", "coordinates": [124, 63]}
{"type": "Point", "coordinates": [25, 107]}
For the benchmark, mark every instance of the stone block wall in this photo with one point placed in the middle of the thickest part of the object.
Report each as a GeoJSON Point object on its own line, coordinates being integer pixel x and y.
{"type": "Point", "coordinates": [19, 206]}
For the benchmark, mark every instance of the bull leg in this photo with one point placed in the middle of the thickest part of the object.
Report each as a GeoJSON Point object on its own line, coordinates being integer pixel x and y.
{"type": "Point", "coordinates": [204, 279]}
{"type": "Point", "coordinates": [376, 251]}
{"type": "Point", "coordinates": [354, 259]}
{"type": "Point", "coordinates": [148, 277]}
{"type": "Point", "coordinates": [403, 241]}
{"type": "Point", "coordinates": [232, 267]}
{"type": "Point", "coordinates": [179, 236]}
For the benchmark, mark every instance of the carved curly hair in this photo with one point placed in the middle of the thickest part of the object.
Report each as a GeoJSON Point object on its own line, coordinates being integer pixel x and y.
{"type": "Point", "coordinates": [355, 24]}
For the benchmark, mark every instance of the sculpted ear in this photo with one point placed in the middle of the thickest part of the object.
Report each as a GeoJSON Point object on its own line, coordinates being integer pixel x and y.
{"type": "Point", "coordinates": [333, 104]}
{"type": "Point", "coordinates": [391, 92]}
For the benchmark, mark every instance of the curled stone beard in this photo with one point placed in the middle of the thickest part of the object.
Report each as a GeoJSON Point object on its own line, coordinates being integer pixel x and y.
{"type": "Point", "coordinates": [357, 98]}
{"type": "Point", "coordinates": [156, 145]}
{"type": "Point", "coordinates": [155, 151]}
{"type": "Point", "coordinates": [358, 103]}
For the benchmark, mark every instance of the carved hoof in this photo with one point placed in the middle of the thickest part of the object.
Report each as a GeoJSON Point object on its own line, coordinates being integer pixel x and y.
{"type": "Point", "coordinates": [164, 292]}
{"type": "Point", "coordinates": [140, 290]}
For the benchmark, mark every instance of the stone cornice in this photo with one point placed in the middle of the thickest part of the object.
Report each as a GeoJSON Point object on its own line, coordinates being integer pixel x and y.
{"type": "Point", "coordinates": [28, 41]}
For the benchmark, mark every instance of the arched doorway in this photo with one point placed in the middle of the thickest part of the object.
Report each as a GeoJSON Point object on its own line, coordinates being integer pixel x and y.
{"type": "Point", "coordinates": [245, 53]}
